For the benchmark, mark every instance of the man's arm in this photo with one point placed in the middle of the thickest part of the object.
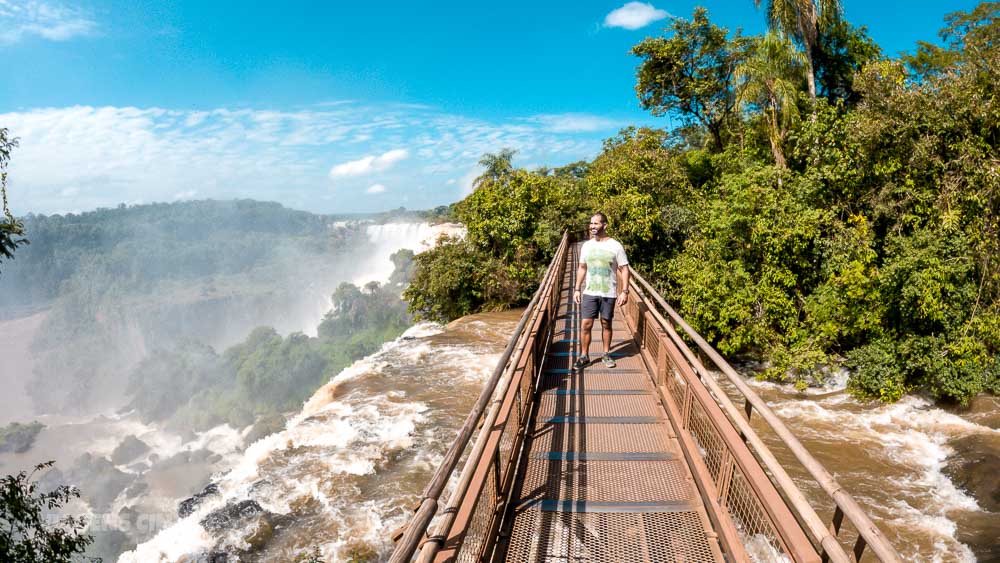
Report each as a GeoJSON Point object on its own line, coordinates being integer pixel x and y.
{"type": "Point", "coordinates": [624, 275]}
{"type": "Point", "coordinates": [581, 277]}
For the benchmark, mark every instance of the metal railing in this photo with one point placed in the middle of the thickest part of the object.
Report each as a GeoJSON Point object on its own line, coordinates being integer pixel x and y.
{"type": "Point", "coordinates": [753, 504]}
{"type": "Point", "coordinates": [702, 402]}
{"type": "Point", "coordinates": [469, 521]}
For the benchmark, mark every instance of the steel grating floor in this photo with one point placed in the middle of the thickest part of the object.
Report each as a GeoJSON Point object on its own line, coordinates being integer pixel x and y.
{"type": "Point", "coordinates": [602, 478]}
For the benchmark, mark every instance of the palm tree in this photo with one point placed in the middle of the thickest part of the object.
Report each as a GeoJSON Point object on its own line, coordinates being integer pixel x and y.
{"type": "Point", "coordinates": [768, 79]}
{"type": "Point", "coordinates": [799, 19]}
{"type": "Point", "coordinates": [497, 165]}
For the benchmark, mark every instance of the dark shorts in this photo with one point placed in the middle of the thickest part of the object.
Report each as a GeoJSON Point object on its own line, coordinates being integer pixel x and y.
{"type": "Point", "coordinates": [592, 305]}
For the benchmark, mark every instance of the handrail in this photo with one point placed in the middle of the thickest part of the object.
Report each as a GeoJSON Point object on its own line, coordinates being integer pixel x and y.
{"type": "Point", "coordinates": [416, 528]}
{"type": "Point", "coordinates": [846, 505]}
{"type": "Point", "coordinates": [813, 523]}
{"type": "Point", "coordinates": [433, 545]}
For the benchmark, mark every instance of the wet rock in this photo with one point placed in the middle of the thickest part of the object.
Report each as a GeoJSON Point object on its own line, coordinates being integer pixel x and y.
{"type": "Point", "coordinates": [189, 505]}
{"type": "Point", "coordinates": [130, 448]}
{"type": "Point", "coordinates": [259, 533]}
{"type": "Point", "coordinates": [18, 438]}
{"type": "Point", "coordinates": [232, 516]}
{"type": "Point", "coordinates": [265, 426]}
{"type": "Point", "coordinates": [973, 467]}
{"type": "Point", "coordinates": [100, 481]}
{"type": "Point", "coordinates": [255, 524]}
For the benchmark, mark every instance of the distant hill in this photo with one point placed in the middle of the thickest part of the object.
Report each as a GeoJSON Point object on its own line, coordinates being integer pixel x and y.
{"type": "Point", "coordinates": [142, 244]}
{"type": "Point", "coordinates": [120, 283]}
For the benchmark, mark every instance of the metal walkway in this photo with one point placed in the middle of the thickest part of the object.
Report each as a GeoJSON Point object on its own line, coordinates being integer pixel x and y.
{"type": "Point", "coordinates": [647, 461]}
{"type": "Point", "coordinates": [603, 477]}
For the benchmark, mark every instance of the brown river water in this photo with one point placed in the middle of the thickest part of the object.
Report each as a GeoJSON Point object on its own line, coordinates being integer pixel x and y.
{"type": "Point", "coordinates": [348, 468]}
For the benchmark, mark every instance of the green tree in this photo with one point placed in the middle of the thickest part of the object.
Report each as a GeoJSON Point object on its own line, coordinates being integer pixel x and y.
{"type": "Point", "coordinates": [842, 51]}
{"type": "Point", "coordinates": [768, 79]}
{"type": "Point", "coordinates": [25, 533]}
{"type": "Point", "coordinates": [970, 39]}
{"type": "Point", "coordinates": [639, 183]}
{"type": "Point", "coordinates": [691, 72]}
{"type": "Point", "coordinates": [11, 229]}
{"type": "Point", "coordinates": [799, 19]}
{"type": "Point", "coordinates": [497, 166]}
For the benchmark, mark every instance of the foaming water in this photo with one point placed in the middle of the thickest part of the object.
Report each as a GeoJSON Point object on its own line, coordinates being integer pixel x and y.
{"type": "Point", "coordinates": [375, 263]}
{"type": "Point", "coordinates": [346, 470]}
{"type": "Point", "coordinates": [388, 238]}
{"type": "Point", "coordinates": [891, 458]}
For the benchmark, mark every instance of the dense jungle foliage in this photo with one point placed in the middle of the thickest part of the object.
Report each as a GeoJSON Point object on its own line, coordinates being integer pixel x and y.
{"type": "Point", "coordinates": [822, 205]}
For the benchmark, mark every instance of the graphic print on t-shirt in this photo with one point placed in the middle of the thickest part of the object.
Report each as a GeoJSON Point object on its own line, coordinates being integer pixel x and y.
{"type": "Point", "coordinates": [599, 270]}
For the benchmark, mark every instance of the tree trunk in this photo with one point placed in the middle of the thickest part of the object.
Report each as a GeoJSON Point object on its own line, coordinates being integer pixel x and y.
{"type": "Point", "coordinates": [716, 132]}
{"type": "Point", "coordinates": [775, 136]}
{"type": "Point", "coordinates": [779, 157]}
{"type": "Point", "coordinates": [811, 78]}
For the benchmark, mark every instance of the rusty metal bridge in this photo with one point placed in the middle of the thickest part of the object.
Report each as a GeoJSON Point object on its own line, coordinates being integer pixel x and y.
{"type": "Point", "coordinates": [649, 461]}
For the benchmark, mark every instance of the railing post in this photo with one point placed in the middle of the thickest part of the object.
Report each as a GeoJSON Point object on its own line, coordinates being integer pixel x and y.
{"type": "Point", "coordinates": [836, 521]}
{"type": "Point", "coordinates": [640, 324]}
{"type": "Point", "coordinates": [686, 407]}
{"type": "Point", "coordinates": [662, 365]}
{"type": "Point", "coordinates": [725, 476]}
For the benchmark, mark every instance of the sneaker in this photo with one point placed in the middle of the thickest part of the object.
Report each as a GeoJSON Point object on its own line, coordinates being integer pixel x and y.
{"type": "Point", "coordinates": [581, 362]}
{"type": "Point", "coordinates": [609, 362]}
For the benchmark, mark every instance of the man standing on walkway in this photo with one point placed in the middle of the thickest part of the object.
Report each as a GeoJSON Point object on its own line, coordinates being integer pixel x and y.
{"type": "Point", "coordinates": [602, 262]}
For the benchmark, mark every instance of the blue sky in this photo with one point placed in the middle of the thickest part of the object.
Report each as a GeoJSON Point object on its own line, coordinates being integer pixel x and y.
{"type": "Point", "coordinates": [331, 106]}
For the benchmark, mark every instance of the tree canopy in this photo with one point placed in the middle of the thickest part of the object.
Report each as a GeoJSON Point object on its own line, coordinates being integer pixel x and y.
{"type": "Point", "coordinates": [865, 237]}
{"type": "Point", "coordinates": [11, 228]}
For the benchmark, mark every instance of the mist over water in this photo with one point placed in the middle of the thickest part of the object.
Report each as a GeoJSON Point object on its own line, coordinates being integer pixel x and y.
{"type": "Point", "coordinates": [346, 470]}
{"type": "Point", "coordinates": [373, 264]}
{"type": "Point", "coordinates": [138, 493]}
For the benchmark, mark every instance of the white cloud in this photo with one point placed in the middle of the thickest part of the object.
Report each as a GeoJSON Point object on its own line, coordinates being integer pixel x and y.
{"type": "Point", "coordinates": [375, 189]}
{"type": "Point", "coordinates": [47, 20]}
{"type": "Point", "coordinates": [634, 15]}
{"type": "Point", "coordinates": [82, 157]}
{"type": "Point", "coordinates": [576, 123]}
{"type": "Point", "coordinates": [465, 182]}
{"type": "Point", "coordinates": [369, 164]}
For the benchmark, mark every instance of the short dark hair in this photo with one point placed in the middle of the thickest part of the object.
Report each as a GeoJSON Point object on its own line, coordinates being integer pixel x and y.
{"type": "Point", "coordinates": [604, 218]}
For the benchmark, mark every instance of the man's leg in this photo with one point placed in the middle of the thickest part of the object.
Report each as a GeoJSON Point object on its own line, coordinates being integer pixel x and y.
{"type": "Point", "coordinates": [585, 327]}
{"type": "Point", "coordinates": [606, 334]}
{"type": "Point", "coordinates": [607, 330]}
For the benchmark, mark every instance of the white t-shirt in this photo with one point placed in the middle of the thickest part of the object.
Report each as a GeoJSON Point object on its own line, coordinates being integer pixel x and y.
{"type": "Point", "coordinates": [603, 259]}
